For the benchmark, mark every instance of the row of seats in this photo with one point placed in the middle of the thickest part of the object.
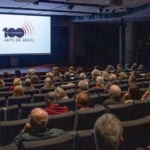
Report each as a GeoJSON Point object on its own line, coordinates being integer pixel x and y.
{"type": "Point", "coordinates": [135, 133]}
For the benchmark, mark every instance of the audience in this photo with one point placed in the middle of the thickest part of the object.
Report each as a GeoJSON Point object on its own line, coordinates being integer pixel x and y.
{"type": "Point", "coordinates": [2, 83]}
{"type": "Point", "coordinates": [5, 74]}
{"type": "Point", "coordinates": [95, 73]}
{"type": "Point", "coordinates": [48, 83]}
{"type": "Point", "coordinates": [18, 91]}
{"type": "Point", "coordinates": [36, 129]}
{"type": "Point", "coordinates": [114, 94]}
{"type": "Point", "coordinates": [83, 86]}
{"type": "Point", "coordinates": [35, 79]}
{"type": "Point", "coordinates": [17, 73]}
{"type": "Point", "coordinates": [110, 68]}
{"type": "Point", "coordinates": [122, 75]}
{"type": "Point", "coordinates": [61, 94]}
{"type": "Point", "coordinates": [53, 107]}
{"type": "Point", "coordinates": [27, 84]}
{"type": "Point", "coordinates": [99, 82]}
{"type": "Point", "coordinates": [108, 132]}
{"type": "Point", "coordinates": [30, 73]}
{"type": "Point", "coordinates": [17, 81]}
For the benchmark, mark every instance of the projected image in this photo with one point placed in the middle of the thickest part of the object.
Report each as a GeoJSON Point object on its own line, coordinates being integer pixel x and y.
{"type": "Point", "coordinates": [25, 34]}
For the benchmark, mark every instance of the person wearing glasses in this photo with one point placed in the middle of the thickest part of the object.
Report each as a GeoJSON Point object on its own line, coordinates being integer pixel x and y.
{"type": "Point", "coordinates": [36, 128]}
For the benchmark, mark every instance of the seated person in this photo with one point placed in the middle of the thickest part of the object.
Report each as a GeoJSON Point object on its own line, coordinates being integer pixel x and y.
{"type": "Point", "coordinates": [79, 70]}
{"type": "Point", "coordinates": [53, 107]}
{"type": "Point", "coordinates": [99, 82]}
{"type": "Point", "coordinates": [18, 91]}
{"type": "Point", "coordinates": [127, 67]}
{"type": "Point", "coordinates": [141, 68]}
{"type": "Point", "coordinates": [48, 83]}
{"type": "Point", "coordinates": [105, 75]}
{"type": "Point", "coordinates": [5, 74]}
{"type": "Point", "coordinates": [17, 81]}
{"type": "Point", "coordinates": [146, 95]}
{"type": "Point", "coordinates": [83, 101]}
{"type": "Point", "coordinates": [2, 83]}
{"type": "Point", "coordinates": [122, 75]}
{"type": "Point", "coordinates": [95, 73]}
{"type": "Point", "coordinates": [133, 93]}
{"type": "Point", "coordinates": [107, 87]}
{"type": "Point", "coordinates": [35, 79]}
{"type": "Point", "coordinates": [134, 66]}
{"type": "Point", "coordinates": [108, 132]}
{"type": "Point", "coordinates": [70, 74]}
{"type": "Point", "coordinates": [114, 94]}
{"type": "Point", "coordinates": [61, 94]}
{"type": "Point", "coordinates": [17, 74]}
{"type": "Point", "coordinates": [30, 73]}
{"type": "Point", "coordinates": [27, 84]}
{"type": "Point", "coordinates": [110, 69]}
{"type": "Point", "coordinates": [36, 129]}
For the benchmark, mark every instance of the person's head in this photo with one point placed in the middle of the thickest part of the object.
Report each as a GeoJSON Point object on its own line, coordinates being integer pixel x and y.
{"type": "Point", "coordinates": [49, 82]}
{"type": "Point", "coordinates": [55, 71]}
{"type": "Point", "coordinates": [31, 71]}
{"type": "Point", "coordinates": [17, 73]}
{"type": "Point", "coordinates": [38, 119]}
{"type": "Point", "coordinates": [132, 78]}
{"type": "Point", "coordinates": [95, 73]}
{"type": "Point", "coordinates": [96, 67]}
{"type": "Point", "coordinates": [5, 74]}
{"type": "Point", "coordinates": [35, 79]}
{"type": "Point", "coordinates": [60, 92]}
{"type": "Point", "coordinates": [134, 92]}
{"type": "Point", "coordinates": [71, 69]}
{"type": "Point", "coordinates": [113, 77]}
{"type": "Point", "coordinates": [119, 65]}
{"type": "Point", "coordinates": [83, 85]}
{"type": "Point", "coordinates": [105, 74]}
{"type": "Point", "coordinates": [100, 81]}
{"type": "Point", "coordinates": [120, 70]}
{"type": "Point", "coordinates": [17, 81]}
{"type": "Point", "coordinates": [79, 70]}
{"type": "Point", "coordinates": [27, 82]}
{"type": "Point", "coordinates": [115, 91]}
{"type": "Point", "coordinates": [2, 83]}
{"type": "Point", "coordinates": [107, 87]}
{"type": "Point", "coordinates": [127, 66]}
{"type": "Point", "coordinates": [108, 132]}
{"type": "Point", "coordinates": [82, 100]}
{"type": "Point", "coordinates": [51, 98]}
{"type": "Point", "coordinates": [82, 76]}
{"type": "Point", "coordinates": [123, 75]}
{"type": "Point", "coordinates": [18, 91]}
{"type": "Point", "coordinates": [141, 67]}
{"type": "Point", "coordinates": [134, 66]}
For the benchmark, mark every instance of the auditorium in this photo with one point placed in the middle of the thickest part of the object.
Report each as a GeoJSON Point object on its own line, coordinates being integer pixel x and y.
{"type": "Point", "coordinates": [75, 74]}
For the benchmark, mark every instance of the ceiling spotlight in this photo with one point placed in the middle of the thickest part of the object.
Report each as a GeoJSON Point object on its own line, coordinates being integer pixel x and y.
{"type": "Point", "coordinates": [70, 6]}
{"type": "Point", "coordinates": [100, 9]}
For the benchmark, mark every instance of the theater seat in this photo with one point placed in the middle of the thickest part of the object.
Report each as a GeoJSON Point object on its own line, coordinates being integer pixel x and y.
{"type": "Point", "coordinates": [46, 90]}
{"type": "Point", "coordinates": [6, 94]}
{"type": "Point", "coordinates": [12, 146]}
{"type": "Point", "coordinates": [6, 88]}
{"type": "Point", "coordinates": [38, 98]}
{"type": "Point", "coordinates": [63, 142]}
{"type": "Point", "coordinates": [31, 92]}
{"type": "Point", "coordinates": [12, 112]}
{"type": "Point", "coordinates": [2, 102]}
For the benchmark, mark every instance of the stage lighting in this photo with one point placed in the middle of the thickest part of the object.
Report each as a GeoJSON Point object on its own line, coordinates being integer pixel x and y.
{"type": "Point", "coordinates": [70, 6]}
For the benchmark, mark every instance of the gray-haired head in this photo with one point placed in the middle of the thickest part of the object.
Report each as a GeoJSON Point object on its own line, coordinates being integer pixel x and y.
{"type": "Point", "coordinates": [100, 81]}
{"type": "Point", "coordinates": [83, 85]}
{"type": "Point", "coordinates": [107, 132]}
{"type": "Point", "coordinates": [82, 76]}
{"type": "Point", "coordinates": [51, 97]}
{"type": "Point", "coordinates": [115, 91]}
{"type": "Point", "coordinates": [31, 71]}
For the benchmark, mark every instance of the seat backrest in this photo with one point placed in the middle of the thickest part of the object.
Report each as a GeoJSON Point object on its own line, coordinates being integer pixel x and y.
{"type": "Point", "coordinates": [12, 112]}
{"type": "Point", "coordinates": [2, 102]}
{"type": "Point", "coordinates": [10, 129]}
{"type": "Point", "coordinates": [85, 119]}
{"type": "Point", "coordinates": [100, 90]}
{"type": "Point", "coordinates": [9, 84]}
{"type": "Point", "coordinates": [94, 99]}
{"type": "Point", "coordinates": [43, 77]}
{"type": "Point", "coordinates": [31, 92]}
{"type": "Point", "coordinates": [38, 86]}
{"type": "Point", "coordinates": [63, 142]}
{"type": "Point", "coordinates": [26, 108]}
{"type": "Point", "coordinates": [84, 140]}
{"type": "Point", "coordinates": [69, 103]}
{"type": "Point", "coordinates": [8, 79]}
{"type": "Point", "coordinates": [146, 84]}
{"type": "Point", "coordinates": [6, 94]}
{"type": "Point", "coordinates": [12, 146]}
{"type": "Point", "coordinates": [46, 90]}
{"type": "Point", "coordinates": [6, 88]}
{"type": "Point", "coordinates": [123, 87]}
{"type": "Point", "coordinates": [122, 111]}
{"type": "Point", "coordinates": [103, 97]}
{"type": "Point", "coordinates": [71, 93]}
{"type": "Point", "coordinates": [68, 87]}
{"type": "Point", "coordinates": [38, 98]}
{"type": "Point", "coordinates": [64, 121]}
{"type": "Point", "coordinates": [2, 113]}
{"type": "Point", "coordinates": [135, 133]}
{"type": "Point", "coordinates": [141, 108]}
{"type": "Point", "coordinates": [19, 100]}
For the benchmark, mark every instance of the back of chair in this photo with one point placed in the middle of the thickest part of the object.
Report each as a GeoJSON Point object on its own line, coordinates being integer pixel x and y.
{"type": "Point", "coordinates": [68, 87]}
{"type": "Point", "coordinates": [46, 90]}
{"type": "Point", "coordinates": [10, 129]}
{"type": "Point", "coordinates": [38, 98]}
{"type": "Point", "coordinates": [123, 87]}
{"type": "Point", "coordinates": [12, 146]}
{"type": "Point", "coordinates": [38, 86]}
{"type": "Point", "coordinates": [19, 100]}
{"type": "Point", "coordinates": [64, 121]}
{"type": "Point", "coordinates": [26, 108]}
{"type": "Point", "coordinates": [6, 94]}
{"type": "Point", "coordinates": [63, 142]}
{"type": "Point", "coordinates": [71, 93]}
{"type": "Point", "coordinates": [69, 103]}
{"type": "Point", "coordinates": [85, 119]}
{"type": "Point", "coordinates": [141, 108]}
{"type": "Point", "coordinates": [31, 92]}
{"type": "Point", "coordinates": [103, 97]}
{"type": "Point", "coordinates": [122, 111]}
{"type": "Point", "coordinates": [100, 90]}
{"type": "Point", "coordinates": [84, 140]}
{"type": "Point", "coordinates": [2, 113]}
{"type": "Point", "coordinates": [2, 102]}
{"type": "Point", "coordinates": [43, 77]}
{"type": "Point", "coordinates": [94, 99]}
{"type": "Point", "coordinates": [6, 88]}
{"type": "Point", "coordinates": [135, 133]}
{"type": "Point", "coordinates": [146, 84]}
{"type": "Point", "coordinates": [12, 112]}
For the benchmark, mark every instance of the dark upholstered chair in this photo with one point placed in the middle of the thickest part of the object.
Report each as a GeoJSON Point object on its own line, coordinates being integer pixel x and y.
{"type": "Point", "coordinates": [69, 103]}
{"type": "Point", "coordinates": [141, 109]}
{"type": "Point", "coordinates": [2, 113]}
{"type": "Point", "coordinates": [31, 92]}
{"type": "Point", "coordinates": [26, 108]}
{"type": "Point", "coordinates": [63, 142]}
{"type": "Point", "coordinates": [8, 79]}
{"type": "Point", "coordinates": [84, 140]}
{"type": "Point", "coordinates": [123, 87]}
{"type": "Point", "coordinates": [6, 88]}
{"type": "Point", "coordinates": [38, 98]}
{"type": "Point", "coordinates": [122, 111]}
{"type": "Point", "coordinates": [2, 102]}
{"type": "Point", "coordinates": [135, 133]}
{"type": "Point", "coordinates": [10, 129]}
{"type": "Point", "coordinates": [38, 86]}
{"type": "Point", "coordinates": [146, 84]}
{"type": "Point", "coordinates": [46, 90]}
{"type": "Point", "coordinates": [9, 84]}
{"type": "Point", "coordinates": [103, 97]}
{"type": "Point", "coordinates": [63, 121]}
{"type": "Point", "coordinates": [94, 99]}
{"type": "Point", "coordinates": [12, 146]}
{"type": "Point", "coordinates": [100, 90]}
{"type": "Point", "coordinates": [43, 77]}
{"type": "Point", "coordinates": [19, 100]}
{"type": "Point", "coordinates": [71, 93]}
{"type": "Point", "coordinates": [85, 119]}
{"type": "Point", "coordinates": [6, 94]}
{"type": "Point", "coordinates": [147, 78]}
{"type": "Point", "coordinates": [68, 87]}
{"type": "Point", "coordinates": [12, 112]}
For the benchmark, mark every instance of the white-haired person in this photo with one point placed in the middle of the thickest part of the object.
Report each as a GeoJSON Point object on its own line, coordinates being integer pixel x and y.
{"type": "Point", "coordinates": [61, 94]}
{"type": "Point", "coordinates": [30, 73]}
{"type": "Point", "coordinates": [108, 132]}
{"type": "Point", "coordinates": [99, 82]}
{"type": "Point", "coordinates": [48, 83]}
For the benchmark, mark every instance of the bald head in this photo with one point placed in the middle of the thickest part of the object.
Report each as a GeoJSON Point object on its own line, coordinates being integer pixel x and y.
{"type": "Point", "coordinates": [113, 77]}
{"type": "Point", "coordinates": [39, 118]}
{"type": "Point", "coordinates": [115, 91]}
